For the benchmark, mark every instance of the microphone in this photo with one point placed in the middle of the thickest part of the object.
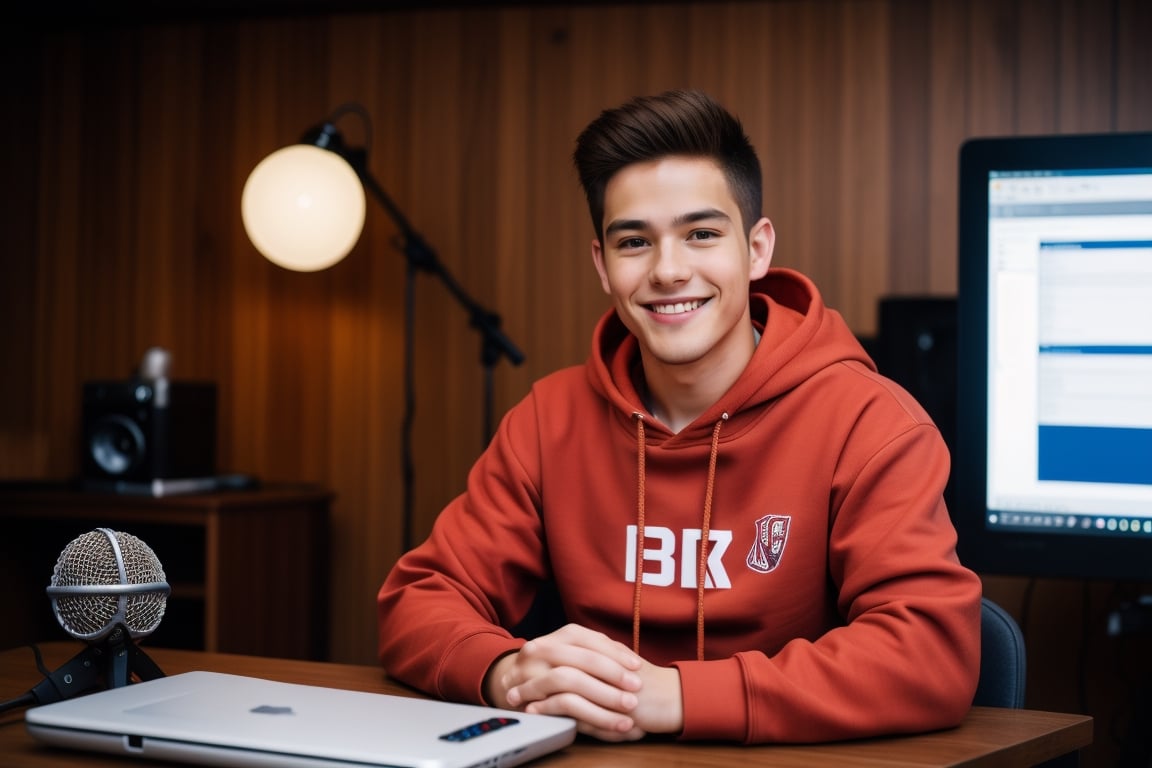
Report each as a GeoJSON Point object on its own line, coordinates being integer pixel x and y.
{"type": "Point", "coordinates": [154, 368]}
{"type": "Point", "coordinates": [108, 589]}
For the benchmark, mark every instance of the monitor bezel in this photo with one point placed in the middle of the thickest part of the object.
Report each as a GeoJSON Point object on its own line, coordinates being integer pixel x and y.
{"type": "Point", "coordinates": [1016, 552]}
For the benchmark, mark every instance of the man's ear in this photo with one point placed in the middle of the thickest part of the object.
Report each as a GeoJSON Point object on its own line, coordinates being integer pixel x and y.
{"type": "Point", "coordinates": [598, 261]}
{"type": "Point", "coordinates": [761, 241]}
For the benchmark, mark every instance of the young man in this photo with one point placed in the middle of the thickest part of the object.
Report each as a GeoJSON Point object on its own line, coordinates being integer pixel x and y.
{"type": "Point", "coordinates": [827, 602]}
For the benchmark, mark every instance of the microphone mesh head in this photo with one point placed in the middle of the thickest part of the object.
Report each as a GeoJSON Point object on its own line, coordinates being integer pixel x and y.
{"type": "Point", "coordinates": [104, 578]}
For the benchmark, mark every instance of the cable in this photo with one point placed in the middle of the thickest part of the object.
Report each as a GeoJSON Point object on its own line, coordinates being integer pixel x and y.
{"type": "Point", "coordinates": [28, 699]}
{"type": "Point", "coordinates": [39, 660]}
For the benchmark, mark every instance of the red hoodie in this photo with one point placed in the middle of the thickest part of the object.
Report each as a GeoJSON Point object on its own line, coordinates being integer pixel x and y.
{"type": "Point", "coordinates": [833, 605]}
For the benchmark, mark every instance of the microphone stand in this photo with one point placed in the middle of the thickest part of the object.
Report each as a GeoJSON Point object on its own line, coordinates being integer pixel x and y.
{"type": "Point", "coordinates": [109, 664]}
{"type": "Point", "coordinates": [421, 258]}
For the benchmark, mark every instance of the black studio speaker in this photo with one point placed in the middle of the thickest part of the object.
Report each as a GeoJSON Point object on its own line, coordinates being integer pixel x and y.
{"type": "Point", "coordinates": [915, 346]}
{"type": "Point", "coordinates": [147, 428]}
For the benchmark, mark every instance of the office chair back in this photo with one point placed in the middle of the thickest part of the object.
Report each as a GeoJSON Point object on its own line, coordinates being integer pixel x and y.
{"type": "Point", "coordinates": [1002, 659]}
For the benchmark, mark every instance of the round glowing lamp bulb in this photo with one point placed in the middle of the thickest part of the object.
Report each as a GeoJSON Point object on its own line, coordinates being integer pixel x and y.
{"type": "Point", "coordinates": [303, 207]}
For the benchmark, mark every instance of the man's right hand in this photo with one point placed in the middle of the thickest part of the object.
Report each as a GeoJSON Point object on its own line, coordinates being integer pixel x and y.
{"type": "Point", "coordinates": [575, 672]}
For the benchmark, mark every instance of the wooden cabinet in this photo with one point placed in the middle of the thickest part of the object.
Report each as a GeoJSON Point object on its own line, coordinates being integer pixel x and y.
{"type": "Point", "coordinates": [248, 569]}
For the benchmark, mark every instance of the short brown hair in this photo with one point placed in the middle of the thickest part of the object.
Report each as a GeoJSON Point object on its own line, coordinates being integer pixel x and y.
{"type": "Point", "coordinates": [687, 123]}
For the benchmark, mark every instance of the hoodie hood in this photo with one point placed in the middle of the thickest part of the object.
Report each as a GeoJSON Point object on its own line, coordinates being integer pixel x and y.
{"type": "Point", "coordinates": [799, 336]}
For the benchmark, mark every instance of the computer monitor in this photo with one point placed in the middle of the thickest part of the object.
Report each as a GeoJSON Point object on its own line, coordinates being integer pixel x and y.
{"type": "Point", "coordinates": [1053, 457]}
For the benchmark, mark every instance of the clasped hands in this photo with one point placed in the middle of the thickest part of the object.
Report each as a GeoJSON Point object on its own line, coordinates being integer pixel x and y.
{"type": "Point", "coordinates": [611, 692]}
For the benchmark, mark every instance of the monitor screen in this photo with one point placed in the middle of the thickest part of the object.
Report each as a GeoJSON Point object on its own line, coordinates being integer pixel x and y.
{"type": "Point", "coordinates": [1053, 455]}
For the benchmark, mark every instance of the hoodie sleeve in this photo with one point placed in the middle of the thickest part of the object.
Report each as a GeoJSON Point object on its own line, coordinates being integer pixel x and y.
{"type": "Point", "coordinates": [442, 607]}
{"type": "Point", "coordinates": [906, 658]}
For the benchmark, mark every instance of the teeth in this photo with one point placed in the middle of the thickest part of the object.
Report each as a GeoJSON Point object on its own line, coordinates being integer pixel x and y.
{"type": "Point", "coordinates": [676, 309]}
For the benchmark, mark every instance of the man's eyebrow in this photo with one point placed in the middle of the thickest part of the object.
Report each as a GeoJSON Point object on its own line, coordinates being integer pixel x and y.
{"type": "Point", "coordinates": [631, 225]}
{"type": "Point", "coordinates": [622, 225]}
{"type": "Point", "coordinates": [703, 215]}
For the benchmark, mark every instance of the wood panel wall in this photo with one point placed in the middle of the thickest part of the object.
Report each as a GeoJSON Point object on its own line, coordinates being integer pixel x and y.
{"type": "Point", "coordinates": [127, 144]}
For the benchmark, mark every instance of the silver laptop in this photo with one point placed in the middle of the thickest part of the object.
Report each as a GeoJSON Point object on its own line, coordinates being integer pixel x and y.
{"type": "Point", "coordinates": [209, 718]}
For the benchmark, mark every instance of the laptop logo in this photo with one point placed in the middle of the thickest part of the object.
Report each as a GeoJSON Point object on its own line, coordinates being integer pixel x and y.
{"type": "Point", "coordinates": [268, 709]}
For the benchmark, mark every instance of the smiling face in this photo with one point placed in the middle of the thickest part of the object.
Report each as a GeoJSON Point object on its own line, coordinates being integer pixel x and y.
{"type": "Point", "coordinates": [677, 263]}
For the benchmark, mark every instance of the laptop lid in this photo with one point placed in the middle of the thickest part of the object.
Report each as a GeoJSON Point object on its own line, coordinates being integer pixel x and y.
{"type": "Point", "coordinates": [211, 718]}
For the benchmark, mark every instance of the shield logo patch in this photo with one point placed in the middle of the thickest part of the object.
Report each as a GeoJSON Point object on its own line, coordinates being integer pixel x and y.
{"type": "Point", "coordinates": [771, 537]}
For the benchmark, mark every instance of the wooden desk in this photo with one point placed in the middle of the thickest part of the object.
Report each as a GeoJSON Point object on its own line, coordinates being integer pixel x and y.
{"type": "Point", "coordinates": [987, 737]}
{"type": "Point", "coordinates": [248, 569]}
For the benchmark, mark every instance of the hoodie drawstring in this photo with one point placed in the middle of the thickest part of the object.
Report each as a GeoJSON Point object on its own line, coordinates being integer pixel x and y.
{"type": "Point", "coordinates": [639, 533]}
{"type": "Point", "coordinates": [702, 568]}
{"type": "Point", "coordinates": [702, 565]}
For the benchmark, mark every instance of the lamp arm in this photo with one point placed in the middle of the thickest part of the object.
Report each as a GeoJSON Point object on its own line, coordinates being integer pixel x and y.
{"type": "Point", "coordinates": [421, 256]}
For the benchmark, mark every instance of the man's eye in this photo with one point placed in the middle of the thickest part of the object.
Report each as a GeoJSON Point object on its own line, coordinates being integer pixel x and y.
{"type": "Point", "coordinates": [633, 242]}
{"type": "Point", "coordinates": [702, 234]}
